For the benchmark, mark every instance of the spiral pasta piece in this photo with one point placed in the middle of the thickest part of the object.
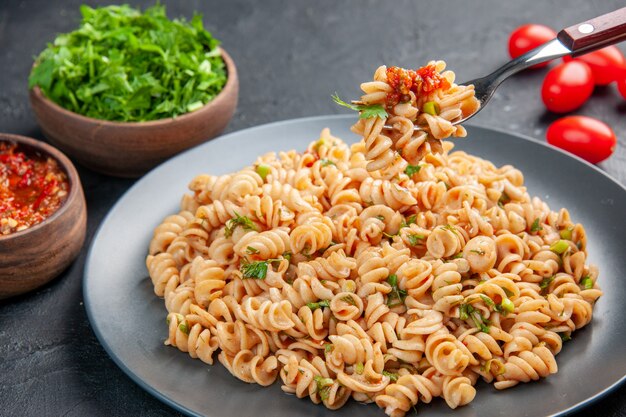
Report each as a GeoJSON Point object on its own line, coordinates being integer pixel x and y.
{"type": "Point", "coordinates": [387, 193]}
{"type": "Point", "coordinates": [251, 368]}
{"type": "Point", "coordinates": [406, 393]}
{"type": "Point", "coordinates": [197, 340]}
{"type": "Point", "coordinates": [163, 272]}
{"type": "Point", "coordinates": [265, 314]}
{"type": "Point", "coordinates": [264, 245]}
{"type": "Point", "coordinates": [167, 231]}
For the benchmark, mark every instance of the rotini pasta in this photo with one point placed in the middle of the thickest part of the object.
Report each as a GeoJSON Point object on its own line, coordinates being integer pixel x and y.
{"type": "Point", "coordinates": [392, 271]}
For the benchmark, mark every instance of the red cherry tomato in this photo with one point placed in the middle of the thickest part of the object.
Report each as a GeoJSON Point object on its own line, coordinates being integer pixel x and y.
{"type": "Point", "coordinates": [528, 37]}
{"type": "Point", "coordinates": [621, 86]}
{"type": "Point", "coordinates": [606, 64]}
{"type": "Point", "coordinates": [584, 136]}
{"type": "Point", "coordinates": [567, 87]}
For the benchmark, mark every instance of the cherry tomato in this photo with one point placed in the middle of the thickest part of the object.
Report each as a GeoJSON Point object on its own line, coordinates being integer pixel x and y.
{"type": "Point", "coordinates": [528, 37]}
{"type": "Point", "coordinates": [584, 136]}
{"type": "Point", "coordinates": [621, 86]}
{"type": "Point", "coordinates": [606, 64]}
{"type": "Point", "coordinates": [567, 87]}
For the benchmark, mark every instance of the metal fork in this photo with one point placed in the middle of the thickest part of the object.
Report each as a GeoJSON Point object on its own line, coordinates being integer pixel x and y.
{"type": "Point", "coordinates": [576, 40]}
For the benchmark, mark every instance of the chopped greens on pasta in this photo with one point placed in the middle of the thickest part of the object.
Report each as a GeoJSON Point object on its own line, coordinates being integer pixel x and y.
{"type": "Point", "coordinates": [323, 270]}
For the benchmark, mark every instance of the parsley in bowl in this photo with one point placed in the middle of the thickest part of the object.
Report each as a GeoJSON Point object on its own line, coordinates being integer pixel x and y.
{"type": "Point", "coordinates": [125, 65]}
{"type": "Point", "coordinates": [128, 89]}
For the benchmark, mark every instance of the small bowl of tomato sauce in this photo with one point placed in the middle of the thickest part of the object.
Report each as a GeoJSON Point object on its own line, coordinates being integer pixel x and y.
{"type": "Point", "coordinates": [43, 214]}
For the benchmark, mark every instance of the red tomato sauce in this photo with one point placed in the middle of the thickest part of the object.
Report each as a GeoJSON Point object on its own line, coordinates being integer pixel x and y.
{"type": "Point", "coordinates": [422, 81]}
{"type": "Point", "coordinates": [32, 188]}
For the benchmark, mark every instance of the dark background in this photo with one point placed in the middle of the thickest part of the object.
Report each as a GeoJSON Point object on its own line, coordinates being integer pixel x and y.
{"type": "Point", "coordinates": [291, 55]}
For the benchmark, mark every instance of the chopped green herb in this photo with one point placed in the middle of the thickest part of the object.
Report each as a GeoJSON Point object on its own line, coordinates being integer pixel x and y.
{"type": "Point", "coordinates": [587, 282]}
{"type": "Point", "coordinates": [508, 292]}
{"type": "Point", "coordinates": [348, 299]}
{"type": "Point", "coordinates": [535, 227]}
{"type": "Point", "coordinates": [565, 337]}
{"type": "Point", "coordinates": [317, 145]}
{"type": "Point", "coordinates": [392, 280]}
{"type": "Point", "coordinates": [478, 251]}
{"type": "Point", "coordinates": [409, 220]}
{"type": "Point", "coordinates": [432, 108]}
{"type": "Point", "coordinates": [457, 256]}
{"type": "Point", "coordinates": [450, 228]}
{"type": "Point", "coordinates": [559, 247]}
{"type": "Point", "coordinates": [393, 377]}
{"type": "Point", "coordinates": [252, 251]}
{"type": "Point", "coordinates": [196, 105]}
{"type": "Point", "coordinates": [183, 327]}
{"type": "Point", "coordinates": [566, 233]}
{"type": "Point", "coordinates": [319, 304]}
{"type": "Point", "coordinates": [263, 171]}
{"type": "Point", "coordinates": [365, 111]}
{"type": "Point", "coordinates": [415, 238]}
{"type": "Point", "coordinates": [275, 262]}
{"type": "Point", "coordinates": [412, 169]}
{"type": "Point", "coordinates": [243, 221]}
{"type": "Point", "coordinates": [326, 162]}
{"type": "Point", "coordinates": [506, 307]}
{"type": "Point", "coordinates": [480, 322]}
{"type": "Point", "coordinates": [490, 364]}
{"type": "Point", "coordinates": [323, 386]}
{"type": "Point", "coordinates": [464, 310]}
{"type": "Point", "coordinates": [396, 296]}
{"type": "Point", "coordinates": [545, 283]}
{"type": "Point", "coordinates": [328, 347]}
{"type": "Point", "coordinates": [256, 270]}
{"type": "Point", "coordinates": [467, 311]}
{"type": "Point", "coordinates": [287, 256]}
{"type": "Point", "coordinates": [359, 368]}
{"type": "Point", "coordinates": [373, 110]}
{"type": "Point", "coordinates": [128, 66]}
{"type": "Point", "coordinates": [504, 199]}
{"type": "Point", "coordinates": [381, 218]}
{"type": "Point", "coordinates": [488, 301]}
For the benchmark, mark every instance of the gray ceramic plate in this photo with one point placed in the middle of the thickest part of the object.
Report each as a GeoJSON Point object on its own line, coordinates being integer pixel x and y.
{"type": "Point", "coordinates": [129, 319]}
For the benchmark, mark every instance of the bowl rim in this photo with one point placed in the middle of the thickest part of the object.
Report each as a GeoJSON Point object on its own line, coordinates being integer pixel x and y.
{"type": "Point", "coordinates": [66, 164]}
{"type": "Point", "coordinates": [231, 79]}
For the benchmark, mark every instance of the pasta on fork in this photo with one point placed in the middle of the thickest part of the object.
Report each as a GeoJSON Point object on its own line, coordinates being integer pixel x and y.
{"type": "Point", "coordinates": [402, 99]}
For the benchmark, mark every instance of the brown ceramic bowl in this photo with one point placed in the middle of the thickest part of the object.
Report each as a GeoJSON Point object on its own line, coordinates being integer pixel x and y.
{"type": "Point", "coordinates": [34, 256]}
{"type": "Point", "coordinates": [129, 149]}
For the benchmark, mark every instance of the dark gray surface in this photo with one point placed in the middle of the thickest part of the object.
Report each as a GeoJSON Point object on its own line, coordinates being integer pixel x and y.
{"type": "Point", "coordinates": [290, 55]}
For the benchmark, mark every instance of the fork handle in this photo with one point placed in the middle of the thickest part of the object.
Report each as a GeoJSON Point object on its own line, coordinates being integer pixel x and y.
{"type": "Point", "coordinates": [595, 33]}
